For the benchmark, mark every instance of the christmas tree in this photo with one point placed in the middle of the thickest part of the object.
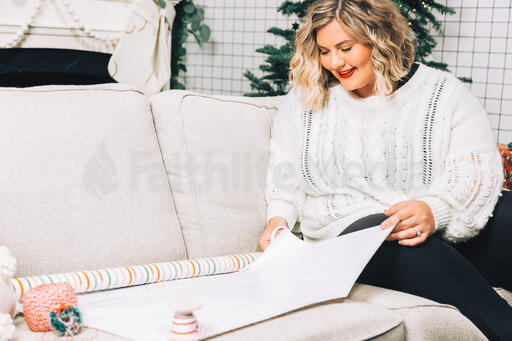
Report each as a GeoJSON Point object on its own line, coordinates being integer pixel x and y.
{"type": "Point", "coordinates": [276, 67]}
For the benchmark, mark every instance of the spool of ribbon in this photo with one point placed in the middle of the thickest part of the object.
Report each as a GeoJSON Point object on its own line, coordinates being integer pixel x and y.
{"type": "Point", "coordinates": [184, 323]}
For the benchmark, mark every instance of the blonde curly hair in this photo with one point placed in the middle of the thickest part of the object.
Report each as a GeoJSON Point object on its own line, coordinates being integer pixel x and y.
{"type": "Point", "coordinates": [375, 23]}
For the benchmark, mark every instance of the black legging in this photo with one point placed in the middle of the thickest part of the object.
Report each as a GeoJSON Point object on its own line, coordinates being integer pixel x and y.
{"type": "Point", "coordinates": [461, 274]}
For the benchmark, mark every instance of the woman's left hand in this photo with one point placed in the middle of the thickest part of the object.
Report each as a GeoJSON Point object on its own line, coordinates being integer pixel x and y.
{"type": "Point", "coordinates": [411, 217]}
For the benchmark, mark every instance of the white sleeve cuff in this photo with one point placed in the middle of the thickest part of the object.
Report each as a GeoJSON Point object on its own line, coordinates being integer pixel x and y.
{"type": "Point", "coordinates": [441, 209]}
{"type": "Point", "coordinates": [280, 208]}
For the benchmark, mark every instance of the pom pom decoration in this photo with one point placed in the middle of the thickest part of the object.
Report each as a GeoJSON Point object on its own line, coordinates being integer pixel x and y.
{"type": "Point", "coordinates": [6, 327]}
{"type": "Point", "coordinates": [52, 307]}
{"type": "Point", "coordinates": [7, 295]}
{"type": "Point", "coordinates": [7, 264]}
{"type": "Point", "coordinates": [7, 299]}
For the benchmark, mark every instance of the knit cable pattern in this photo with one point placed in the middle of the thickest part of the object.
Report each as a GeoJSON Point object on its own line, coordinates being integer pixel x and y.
{"type": "Point", "coordinates": [360, 156]}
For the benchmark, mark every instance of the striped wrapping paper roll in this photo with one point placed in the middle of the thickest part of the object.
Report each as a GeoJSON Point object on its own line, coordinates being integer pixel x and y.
{"type": "Point", "coordinates": [126, 276]}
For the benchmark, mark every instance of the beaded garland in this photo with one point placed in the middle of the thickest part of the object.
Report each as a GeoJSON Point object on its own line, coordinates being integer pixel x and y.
{"type": "Point", "coordinates": [77, 23]}
{"type": "Point", "coordinates": [24, 28]}
{"type": "Point", "coordinates": [111, 39]}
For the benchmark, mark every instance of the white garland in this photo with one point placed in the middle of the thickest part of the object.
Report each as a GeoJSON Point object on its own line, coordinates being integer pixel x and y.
{"type": "Point", "coordinates": [111, 39]}
{"type": "Point", "coordinates": [77, 23]}
{"type": "Point", "coordinates": [7, 264]}
{"type": "Point", "coordinates": [6, 327]}
{"type": "Point", "coordinates": [7, 270]}
{"type": "Point", "coordinates": [23, 29]}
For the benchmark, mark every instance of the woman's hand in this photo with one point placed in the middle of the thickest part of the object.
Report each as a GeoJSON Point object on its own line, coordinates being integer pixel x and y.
{"type": "Point", "coordinates": [272, 224]}
{"type": "Point", "coordinates": [409, 218]}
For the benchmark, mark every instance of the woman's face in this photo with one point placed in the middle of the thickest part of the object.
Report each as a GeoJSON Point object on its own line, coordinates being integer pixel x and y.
{"type": "Point", "coordinates": [347, 59]}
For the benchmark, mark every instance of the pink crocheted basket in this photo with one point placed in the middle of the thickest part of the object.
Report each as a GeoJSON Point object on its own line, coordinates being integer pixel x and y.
{"type": "Point", "coordinates": [39, 301]}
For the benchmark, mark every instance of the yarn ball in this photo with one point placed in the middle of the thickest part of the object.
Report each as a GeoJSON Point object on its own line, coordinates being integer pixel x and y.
{"type": "Point", "coordinates": [40, 300]}
{"type": "Point", "coordinates": [7, 264]}
{"type": "Point", "coordinates": [6, 327]}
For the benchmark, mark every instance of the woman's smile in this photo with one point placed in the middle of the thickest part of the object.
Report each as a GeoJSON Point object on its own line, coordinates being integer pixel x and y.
{"type": "Point", "coordinates": [347, 73]}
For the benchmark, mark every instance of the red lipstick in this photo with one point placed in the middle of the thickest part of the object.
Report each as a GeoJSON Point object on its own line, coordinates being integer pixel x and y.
{"type": "Point", "coordinates": [347, 75]}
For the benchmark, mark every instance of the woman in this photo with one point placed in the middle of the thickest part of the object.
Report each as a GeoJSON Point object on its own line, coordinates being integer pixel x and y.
{"type": "Point", "coordinates": [367, 137]}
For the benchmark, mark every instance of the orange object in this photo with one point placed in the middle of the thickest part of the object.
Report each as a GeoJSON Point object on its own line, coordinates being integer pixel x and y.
{"type": "Point", "coordinates": [39, 301]}
{"type": "Point", "coordinates": [506, 154]}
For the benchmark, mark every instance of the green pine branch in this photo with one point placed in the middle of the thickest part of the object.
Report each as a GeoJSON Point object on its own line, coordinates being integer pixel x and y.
{"type": "Point", "coordinates": [286, 34]}
{"type": "Point", "coordinates": [289, 8]}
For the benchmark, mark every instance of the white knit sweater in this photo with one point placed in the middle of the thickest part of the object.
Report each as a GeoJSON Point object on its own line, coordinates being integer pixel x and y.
{"type": "Point", "coordinates": [430, 140]}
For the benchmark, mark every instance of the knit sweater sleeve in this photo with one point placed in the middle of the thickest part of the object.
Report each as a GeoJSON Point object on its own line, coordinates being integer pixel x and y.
{"type": "Point", "coordinates": [284, 196]}
{"type": "Point", "coordinates": [462, 197]}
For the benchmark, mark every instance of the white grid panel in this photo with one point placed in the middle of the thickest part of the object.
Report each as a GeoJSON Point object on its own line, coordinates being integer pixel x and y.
{"type": "Point", "coordinates": [239, 27]}
{"type": "Point", "coordinates": [477, 43]}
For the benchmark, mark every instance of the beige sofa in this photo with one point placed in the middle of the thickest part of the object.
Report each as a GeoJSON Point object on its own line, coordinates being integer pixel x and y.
{"type": "Point", "coordinates": [100, 176]}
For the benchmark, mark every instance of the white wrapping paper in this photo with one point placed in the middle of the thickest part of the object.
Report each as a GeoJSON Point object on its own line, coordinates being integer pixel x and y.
{"type": "Point", "coordinates": [289, 275]}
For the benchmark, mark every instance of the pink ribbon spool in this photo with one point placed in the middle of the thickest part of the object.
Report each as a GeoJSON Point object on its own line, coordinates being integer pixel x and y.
{"type": "Point", "coordinates": [184, 323]}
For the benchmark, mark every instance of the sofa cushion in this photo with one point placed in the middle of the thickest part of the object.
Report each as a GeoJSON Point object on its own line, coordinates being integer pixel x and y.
{"type": "Point", "coordinates": [423, 319]}
{"type": "Point", "coordinates": [82, 181]}
{"type": "Point", "coordinates": [215, 151]}
{"type": "Point", "coordinates": [333, 320]}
